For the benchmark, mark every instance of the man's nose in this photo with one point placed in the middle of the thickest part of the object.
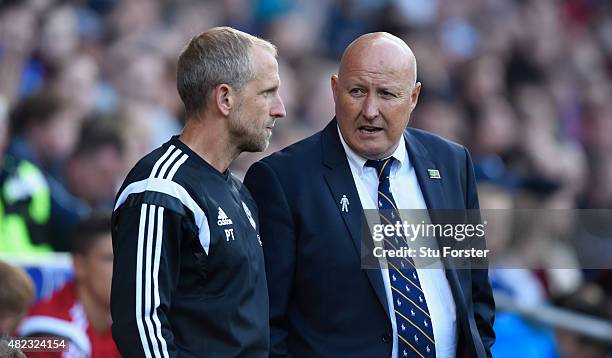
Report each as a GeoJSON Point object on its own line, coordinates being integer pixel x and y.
{"type": "Point", "coordinates": [370, 107]}
{"type": "Point", "coordinates": [278, 108]}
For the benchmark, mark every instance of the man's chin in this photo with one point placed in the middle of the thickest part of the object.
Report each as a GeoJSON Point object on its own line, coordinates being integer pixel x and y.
{"type": "Point", "coordinates": [256, 147]}
{"type": "Point", "coordinates": [374, 153]}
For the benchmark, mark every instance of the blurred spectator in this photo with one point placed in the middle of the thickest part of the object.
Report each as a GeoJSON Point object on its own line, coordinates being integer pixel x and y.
{"type": "Point", "coordinates": [141, 84]}
{"type": "Point", "coordinates": [134, 17]}
{"type": "Point", "coordinates": [76, 82]}
{"type": "Point", "coordinates": [93, 170]}
{"type": "Point", "coordinates": [16, 295]}
{"type": "Point", "coordinates": [17, 41]}
{"type": "Point", "coordinates": [89, 179]}
{"type": "Point", "coordinates": [80, 311]}
{"type": "Point", "coordinates": [58, 39]}
{"type": "Point", "coordinates": [43, 131]}
{"type": "Point", "coordinates": [25, 202]}
{"type": "Point", "coordinates": [442, 118]}
{"type": "Point", "coordinates": [495, 129]}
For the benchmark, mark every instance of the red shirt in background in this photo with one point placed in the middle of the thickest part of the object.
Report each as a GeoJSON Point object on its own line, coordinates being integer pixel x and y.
{"type": "Point", "coordinates": [63, 315]}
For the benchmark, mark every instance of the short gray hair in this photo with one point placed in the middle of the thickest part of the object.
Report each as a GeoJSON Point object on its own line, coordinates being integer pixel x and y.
{"type": "Point", "coordinates": [219, 55]}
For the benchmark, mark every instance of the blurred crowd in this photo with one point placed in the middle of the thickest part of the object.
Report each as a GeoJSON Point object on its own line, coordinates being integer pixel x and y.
{"type": "Point", "coordinates": [87, 87]}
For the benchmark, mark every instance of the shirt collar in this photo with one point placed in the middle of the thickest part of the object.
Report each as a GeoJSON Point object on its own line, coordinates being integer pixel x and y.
{"type": "Point", "coordinates": [357, 162]}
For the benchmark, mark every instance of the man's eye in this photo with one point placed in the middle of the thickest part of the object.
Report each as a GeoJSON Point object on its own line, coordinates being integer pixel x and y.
{"type": "Point", "coordinates": [387, 94]}
{"type": "Point", "coordinates": [269, 93]}
{"type": "Point", "coordinates": [357, 91]}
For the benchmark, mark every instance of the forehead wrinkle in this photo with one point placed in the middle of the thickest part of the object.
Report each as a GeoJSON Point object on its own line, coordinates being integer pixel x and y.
{"type": "Point", "coordinates": [364, 73]}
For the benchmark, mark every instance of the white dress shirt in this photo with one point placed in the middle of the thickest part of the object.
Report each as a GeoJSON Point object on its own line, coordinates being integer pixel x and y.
{"type": "Point", "coordinates": [405, 189]}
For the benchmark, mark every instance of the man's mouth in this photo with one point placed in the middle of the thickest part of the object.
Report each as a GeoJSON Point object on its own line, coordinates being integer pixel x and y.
{"type": "Point", "coordinates": [370, 129]}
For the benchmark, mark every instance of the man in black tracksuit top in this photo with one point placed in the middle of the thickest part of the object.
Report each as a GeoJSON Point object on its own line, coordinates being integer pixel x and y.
{"type": "Point", "coordinates": [188, 275]}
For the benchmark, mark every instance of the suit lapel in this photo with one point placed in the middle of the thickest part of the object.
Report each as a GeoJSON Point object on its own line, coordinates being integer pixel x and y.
{"type": "Point", "coordinates": [340, 181]}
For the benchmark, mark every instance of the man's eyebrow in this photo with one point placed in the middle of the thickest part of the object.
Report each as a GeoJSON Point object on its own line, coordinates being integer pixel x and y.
{"type": "Point", "coordinates": [271, 88]}
{"type": "Point", "coordinates": [395, 89]}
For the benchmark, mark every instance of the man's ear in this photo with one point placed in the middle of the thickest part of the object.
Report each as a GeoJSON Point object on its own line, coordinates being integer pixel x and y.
{"type": "Point", "coordinates": [414, 96]}
{"type": "Point", "coordinates": [224, 98]}
{"type": "Point", "coordinates": [334, 86]}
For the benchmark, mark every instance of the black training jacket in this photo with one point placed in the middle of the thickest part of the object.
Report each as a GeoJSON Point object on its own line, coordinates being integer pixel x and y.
{"type": "Point", "coordinates": [188, 275]}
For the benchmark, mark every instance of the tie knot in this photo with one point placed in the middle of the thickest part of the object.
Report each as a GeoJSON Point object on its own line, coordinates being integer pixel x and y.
{"type": "Point", "coordinates": [383, 167]}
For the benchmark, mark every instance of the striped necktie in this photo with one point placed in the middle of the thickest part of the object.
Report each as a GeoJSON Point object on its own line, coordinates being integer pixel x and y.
{"type": "Point", "coordinates": [414, 329]}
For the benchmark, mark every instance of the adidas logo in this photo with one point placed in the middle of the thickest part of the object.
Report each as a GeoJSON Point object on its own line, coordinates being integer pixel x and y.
{"type": "Point", "coordinates": [222, 219]}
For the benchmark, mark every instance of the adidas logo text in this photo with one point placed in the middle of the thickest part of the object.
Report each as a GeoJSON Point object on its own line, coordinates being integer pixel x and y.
{"type": "Point", "coordinates": [222, 218]}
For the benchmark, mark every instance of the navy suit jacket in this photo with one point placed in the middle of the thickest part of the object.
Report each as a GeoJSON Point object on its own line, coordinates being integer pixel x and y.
{"type": "Point", "coordinates": [322, 304]}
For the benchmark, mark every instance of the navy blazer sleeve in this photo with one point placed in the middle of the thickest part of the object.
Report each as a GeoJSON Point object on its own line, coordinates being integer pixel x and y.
{"type": "Point", "coordinates": [278, 240]}
{"type": "Point", "coordinates": [482, 295]}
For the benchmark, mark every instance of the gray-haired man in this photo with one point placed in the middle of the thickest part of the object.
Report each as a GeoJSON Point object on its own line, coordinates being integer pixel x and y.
{"type": "Point", "coordinates": [188, 274]}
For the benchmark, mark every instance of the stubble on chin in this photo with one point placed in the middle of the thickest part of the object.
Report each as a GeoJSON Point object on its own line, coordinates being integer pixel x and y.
{"type": "Point", "coordinates": [254, 142]}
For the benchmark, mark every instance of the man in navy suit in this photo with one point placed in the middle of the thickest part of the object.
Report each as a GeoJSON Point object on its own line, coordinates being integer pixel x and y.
{"type": "Point", "coordinates": [311, 197]}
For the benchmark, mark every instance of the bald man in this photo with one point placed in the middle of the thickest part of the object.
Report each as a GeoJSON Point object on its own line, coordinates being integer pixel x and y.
{"type": "Point", "coordinates": [311, 197]}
